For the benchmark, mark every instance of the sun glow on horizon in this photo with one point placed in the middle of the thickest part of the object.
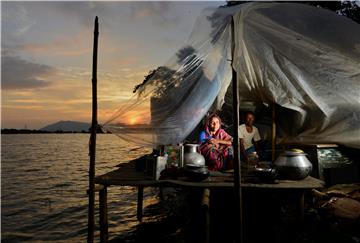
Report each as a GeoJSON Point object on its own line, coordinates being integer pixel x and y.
{"type": "Point", "coordinates": [133, 120]}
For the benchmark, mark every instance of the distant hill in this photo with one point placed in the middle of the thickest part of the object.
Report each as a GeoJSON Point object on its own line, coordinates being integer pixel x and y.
{"type": "Point", "coordinates": [67, 126]}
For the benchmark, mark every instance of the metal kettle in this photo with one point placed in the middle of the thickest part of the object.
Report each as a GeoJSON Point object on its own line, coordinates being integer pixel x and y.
{"type": "Point", "coordinates": [293, 165]}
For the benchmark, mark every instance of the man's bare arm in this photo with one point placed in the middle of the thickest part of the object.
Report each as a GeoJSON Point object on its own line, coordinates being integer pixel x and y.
{"type": "Point", "coordinates": [242, 150]}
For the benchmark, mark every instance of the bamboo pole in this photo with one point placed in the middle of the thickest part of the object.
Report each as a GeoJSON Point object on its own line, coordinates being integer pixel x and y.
{"type": "Point", "coordinates": [92, 145]}
{"type": "Point", "coordinates": [273, 133]}
{"type": "Point", "coordinates": [237, 165]}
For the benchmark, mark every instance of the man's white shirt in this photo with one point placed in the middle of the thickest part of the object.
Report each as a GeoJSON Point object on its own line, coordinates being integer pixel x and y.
{"type": "Point", "coordinates": [248, 137]}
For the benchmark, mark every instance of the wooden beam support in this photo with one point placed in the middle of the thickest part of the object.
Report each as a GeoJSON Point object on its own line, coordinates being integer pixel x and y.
{"type": "Point", "coordinates": [103, 214]}
{"type": "Point", "coordinates": [139, 213]}
{"type": "Point", "coordinates": [236, 143]}
{"type": "Point", "coordinates": [300, 207]}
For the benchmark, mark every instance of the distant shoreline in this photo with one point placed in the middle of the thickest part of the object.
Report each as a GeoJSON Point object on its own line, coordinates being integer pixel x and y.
{"type": "Point", "coordinates": [34, 131]}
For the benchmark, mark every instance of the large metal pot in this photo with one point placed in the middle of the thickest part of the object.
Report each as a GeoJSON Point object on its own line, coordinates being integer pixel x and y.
{"type": "Point", "coordinates": [191, 156]}
{"type": "Point", "coordinates": [293, 165]}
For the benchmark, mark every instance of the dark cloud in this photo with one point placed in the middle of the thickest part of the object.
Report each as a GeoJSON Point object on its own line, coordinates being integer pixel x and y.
{"type": "Point", "coordinates": [20, 74]}
{"type": "Point", "coordinates": [160, 13]}
{"type": "Point", "coordinates": [19, 15]}
{"type": "Point", "coordinates": [85, 12]}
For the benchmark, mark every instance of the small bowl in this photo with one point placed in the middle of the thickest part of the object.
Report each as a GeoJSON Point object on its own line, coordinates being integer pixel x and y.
{"type": "Point", "coordinates": [266, 174]}
{"type": "Point", "coordinates": [197, 174]}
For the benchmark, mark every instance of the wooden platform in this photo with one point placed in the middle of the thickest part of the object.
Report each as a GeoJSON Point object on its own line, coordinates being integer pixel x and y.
{"type": "Point", "coordinates": [127, 175]}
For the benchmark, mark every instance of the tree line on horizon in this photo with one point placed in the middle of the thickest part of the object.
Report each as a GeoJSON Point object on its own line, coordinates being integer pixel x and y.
{"type": "Point", "coordinates": [35, 131]}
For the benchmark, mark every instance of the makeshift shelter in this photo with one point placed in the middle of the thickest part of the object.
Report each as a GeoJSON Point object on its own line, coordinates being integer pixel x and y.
{"type": "Point", "coordinates": [304, 59]}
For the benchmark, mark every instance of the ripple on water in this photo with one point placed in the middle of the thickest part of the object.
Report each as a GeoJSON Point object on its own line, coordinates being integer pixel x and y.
{"type": "Point", "coordinates": [44, 182]}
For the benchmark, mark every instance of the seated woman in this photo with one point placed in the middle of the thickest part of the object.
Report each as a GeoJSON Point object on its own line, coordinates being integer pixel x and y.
{"type": "Point", "coordinates": [216, 145]}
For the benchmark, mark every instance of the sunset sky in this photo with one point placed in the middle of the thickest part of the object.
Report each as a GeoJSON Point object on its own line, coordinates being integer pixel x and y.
{"type": "Point", "coordinates": [46, 50]}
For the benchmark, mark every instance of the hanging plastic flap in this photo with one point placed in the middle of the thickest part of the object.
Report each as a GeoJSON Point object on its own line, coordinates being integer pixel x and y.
{"type": "Point", "coordinates": [302, 58]}
{"type": "Point", "coordinates": [179, 94]}
{"type": "Point", "coordinates": [305, 59]}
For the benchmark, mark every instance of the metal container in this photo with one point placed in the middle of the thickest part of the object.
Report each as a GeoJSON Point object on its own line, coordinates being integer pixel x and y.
{"type": "Point", "coordinates": [293, 165]}
{"type": "Point", "coordinates": [196, 172]}
{"type": "Point", "coordinates": [191, 156]}
{"type": "Point", "coordinates": [266, 174]}
{"type": "Point", "coordinates": [181, 161]}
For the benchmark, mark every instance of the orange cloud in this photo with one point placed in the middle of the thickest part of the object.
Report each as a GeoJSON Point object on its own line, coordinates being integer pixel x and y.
{"type": "Point", "coordinates": [31, 107]}
{"type": "Point", "coordinates": [126, 61]}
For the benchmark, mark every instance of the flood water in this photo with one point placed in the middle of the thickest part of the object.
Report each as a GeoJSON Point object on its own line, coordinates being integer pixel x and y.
{"type": "Point", "coordinates": [44, 178]}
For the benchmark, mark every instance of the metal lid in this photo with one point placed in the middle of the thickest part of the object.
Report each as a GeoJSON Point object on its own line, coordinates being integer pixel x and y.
{"type": "Point", "coordinates": [294, 152]}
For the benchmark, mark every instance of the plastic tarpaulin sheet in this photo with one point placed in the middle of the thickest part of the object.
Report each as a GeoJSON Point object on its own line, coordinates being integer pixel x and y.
{"type": "Point", "coordinates": [302, 58]}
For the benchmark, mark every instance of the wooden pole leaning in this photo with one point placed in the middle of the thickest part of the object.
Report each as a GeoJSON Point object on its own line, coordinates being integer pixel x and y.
{"type": "Point", "coordinates": [92, 144]}
{"type": "Point", "coordinates": [236, 144]}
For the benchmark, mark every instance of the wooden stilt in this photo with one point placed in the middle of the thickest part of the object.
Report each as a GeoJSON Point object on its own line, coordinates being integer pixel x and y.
{"type": "Point", "coordinates": [92, 145]}
{"type": "Point", "coordinates": [103, 214]}
{"type": "Point", "coordinates": [206, 206]}
{"type": "Point", "coordinates": [300, 207]}
{"type": "Point", "coordinates": [236, 144]}
{"type": "Point", "coordinates": [140, 203]}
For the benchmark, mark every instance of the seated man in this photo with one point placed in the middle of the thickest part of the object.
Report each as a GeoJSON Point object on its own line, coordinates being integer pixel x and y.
{"type": "Point", "coordinates": [249, 137]}
{"type": "Point", "coordinates": [216, 145]}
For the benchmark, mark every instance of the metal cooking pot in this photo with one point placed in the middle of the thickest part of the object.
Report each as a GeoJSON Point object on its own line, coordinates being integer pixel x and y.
{"type": "Point", "coordinates": [293, 165]}
{"type": "Point", "coordinates": [191, 155]}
